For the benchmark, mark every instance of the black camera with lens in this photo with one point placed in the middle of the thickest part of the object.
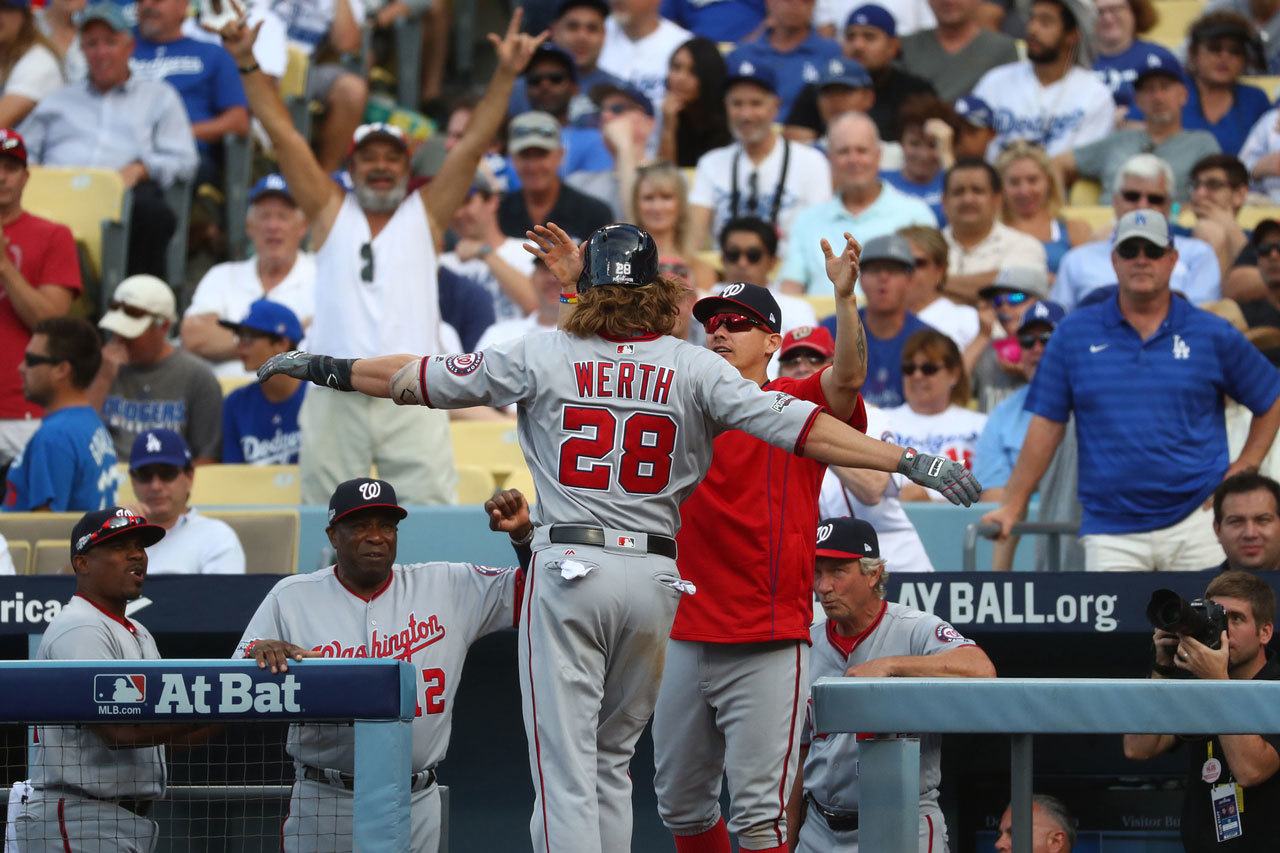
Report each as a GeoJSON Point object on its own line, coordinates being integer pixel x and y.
{"type": "Point", "coordinates": [1201, 619]}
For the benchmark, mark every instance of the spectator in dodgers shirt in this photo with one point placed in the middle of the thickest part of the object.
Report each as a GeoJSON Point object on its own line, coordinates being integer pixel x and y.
{"type": "Point", "coordinates": [718, 20]}
{"type": "Point", "coordinates": [1048, 99]}
{"type": "Point", "coordinates": [260, 420]}
{"type": "Point", "coordinates": [936, 413]}
{"type": "Point", "coordinates": [638, 43]}
{"type": "Point", "coordinates": [162, 476]}
{"type": "Point", "coordinates": [69, 464]}
{"type": "Point", "coordinates": [279, 270]}
{"type": "Point", "coordinates": [791, 46]}
{"type": "Point", "coordinates": [1223, 46]}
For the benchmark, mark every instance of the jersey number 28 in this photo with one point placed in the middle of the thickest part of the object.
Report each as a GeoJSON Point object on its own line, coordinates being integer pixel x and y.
{"type": "Point", "coordinates": [647, 441]}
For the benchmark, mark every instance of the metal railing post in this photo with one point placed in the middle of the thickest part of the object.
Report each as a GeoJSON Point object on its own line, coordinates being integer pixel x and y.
{"type": "Point", "coordinates": [1020, 779]}
{"type": "Point", "coordinates": [889, 810]}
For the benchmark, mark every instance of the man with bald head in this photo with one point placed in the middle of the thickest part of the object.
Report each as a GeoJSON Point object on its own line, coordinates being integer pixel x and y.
{"type": "Point", "coordinates": [863, 205]}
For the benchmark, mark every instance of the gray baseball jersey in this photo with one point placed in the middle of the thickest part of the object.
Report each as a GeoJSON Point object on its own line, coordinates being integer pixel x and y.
{"type": "Point", "coordinates": [75, 757]}
{"type": "Point", "coordinates": [831, 769]}
{"type": "Point", "coordinates": [616, 432]}
{"type": "Point", "coordinates": [426, 613]}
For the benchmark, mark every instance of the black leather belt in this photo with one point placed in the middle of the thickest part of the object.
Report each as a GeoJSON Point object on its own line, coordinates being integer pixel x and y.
{"type": "Point", "coordinates": [838, 821]}
{"type": "Point", "coordinates": [417, 782]}
{"type": "Point", "coordinates": [582, 534]}
{"type": "Point", "coordinates": [139, 806]}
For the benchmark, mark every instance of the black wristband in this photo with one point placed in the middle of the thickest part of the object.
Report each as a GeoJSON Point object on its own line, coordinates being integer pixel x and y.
{"type": "Point", "coordinates": [330, 372]}
{"type": "Point", "coordinates": [1166, 670]}
{"type": "Point", "coordinates": [249, 69]}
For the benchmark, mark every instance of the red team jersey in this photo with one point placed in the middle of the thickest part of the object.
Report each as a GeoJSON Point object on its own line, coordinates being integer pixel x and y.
{"type": "Point", "coordinates": [747, 536]}
{"type": "Point", "coordinates": [45, 253]}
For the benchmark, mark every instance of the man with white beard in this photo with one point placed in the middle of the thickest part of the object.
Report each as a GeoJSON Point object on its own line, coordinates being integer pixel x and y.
{"type": "Point", "coordinates": [376, 288]}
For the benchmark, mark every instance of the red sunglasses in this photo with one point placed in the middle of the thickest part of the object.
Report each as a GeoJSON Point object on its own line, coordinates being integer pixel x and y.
{"type": "Point", "coordinates": [732, 322]}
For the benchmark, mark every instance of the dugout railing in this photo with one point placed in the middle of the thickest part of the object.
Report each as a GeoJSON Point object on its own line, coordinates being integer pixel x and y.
{"type": "Point", "coordinates": [377, 698]}
{"type": "Point", "coordinates": [889, 814]}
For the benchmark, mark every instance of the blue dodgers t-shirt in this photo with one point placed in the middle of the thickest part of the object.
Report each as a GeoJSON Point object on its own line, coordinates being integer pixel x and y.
{"type": "Point", "coordinates": [718, 20]}
{"type": "Point", "coordinates": [258, 431]}
{"type": "Point", "coordinates": [204, 74]}
{"type": "Point", "coordinates": [69, 465]}
{"type": "Point", "coordinates": [794, 69]}
{"type": "Point", "coordinates": [930, 193]}
{"type": "Point", "coordinates": [1149, 416]}
{"type": "Point", "coordinates": [1118, 72]}
{"type": "Point", "coordinates": [883, 387]}
{"type": "Point", "coordinates": [1233, 128]}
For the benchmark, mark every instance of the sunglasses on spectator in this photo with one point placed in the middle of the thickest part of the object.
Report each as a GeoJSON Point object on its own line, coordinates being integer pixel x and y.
{"type": "Point", "coordinates": [1129, 250]}
{"type": "Point", "coordinates": [1135, 196]}
{"type": "Point", "coordinates": [1210, 184]}
{"type": "Point", "coordinates": [131, 310]}
{"type": "Point", "coordinates": [929, 368]}
{"type": "Point", "coordinates": [753, 255]}
{"type": "Point", "coordinates": [31, 359]}
{"type": "Point", "coordinates": [248, 336]}
{"type": "Point", "coordinates": [1231, 46]}
{"type": "Point", "coordinates": [1264, 251]}
{"type": "Point", "coordinates": [812, 359]}
{"type": "Point", "coordinates": [366, 262]}
{"type": "Point", "coordinates": [147, 473]}
{"type": "Point", "coordinates": [731, 323]}
{"type": "Point", "coordinates": [1016, 297]}
{"type": "Point", "coordinates": [922, 261]}
{"type": "Point", "coordinates": [555, 78]}
{"type": "Point", "coordinates": [1030, 340]}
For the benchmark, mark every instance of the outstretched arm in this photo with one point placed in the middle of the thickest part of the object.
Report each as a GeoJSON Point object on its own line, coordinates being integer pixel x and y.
{"type": "Point", "coordinates": [368, 376]}
{"type": "Point", "coordinates": [840, 384]}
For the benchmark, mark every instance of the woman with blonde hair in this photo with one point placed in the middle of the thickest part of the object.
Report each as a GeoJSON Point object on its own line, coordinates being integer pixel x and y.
{"type": "Point", "coordinates": [1033, 200]}
{"type": "Point", "coordinates": [29, 64]}
{"type": "Point", "coordinates": [660, 205]}
{"type": "Point", "coordinates": [57, 20]}
{"type": "Point", "coordinates": [935, 416]}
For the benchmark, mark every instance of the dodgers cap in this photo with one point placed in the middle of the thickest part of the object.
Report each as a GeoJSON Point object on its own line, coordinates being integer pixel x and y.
{"type": "Point", "coordinates": [873, 15]}
{"type": "Point", "coordinates": [159, 447]}
{"type": "Point", "coordinates": [269, 317]}
{"type": "Point", "coordinates": [1149, 225]}
{"type": "Point", "coordinates": [1043, 313]}
{"type": "Point", "coordinates": [745, 69]}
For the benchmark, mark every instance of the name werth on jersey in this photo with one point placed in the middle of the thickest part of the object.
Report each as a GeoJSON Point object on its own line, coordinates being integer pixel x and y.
{"type": "Point", "coordinates": [626, 379]}
{"type": "Point", "coordinates": [401, 645]}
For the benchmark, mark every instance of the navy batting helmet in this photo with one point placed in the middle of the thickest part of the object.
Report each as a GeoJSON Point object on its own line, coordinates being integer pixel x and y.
{"type": "Point", "coordinates": [619, 254]}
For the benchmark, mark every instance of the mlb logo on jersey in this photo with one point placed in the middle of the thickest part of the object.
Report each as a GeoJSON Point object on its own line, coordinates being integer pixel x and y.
{"type": "Point", "coordinates": [626, 542]}
{"type": "Point", "coordinates": [116, 689]}
{"type": "Point", "coordinates": [626, 349]}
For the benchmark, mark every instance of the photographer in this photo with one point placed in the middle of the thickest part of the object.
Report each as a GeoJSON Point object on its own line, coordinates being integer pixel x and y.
{"type": "Point", "coordinates": [1232, 791]}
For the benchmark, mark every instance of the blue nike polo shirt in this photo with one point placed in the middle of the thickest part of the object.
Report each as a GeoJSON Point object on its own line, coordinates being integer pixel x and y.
{"type": "Point", "coordinates": [1149, 414]}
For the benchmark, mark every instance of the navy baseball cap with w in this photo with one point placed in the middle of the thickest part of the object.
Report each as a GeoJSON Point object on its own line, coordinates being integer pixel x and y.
{"type": "Point", "coordinates": [847, 539]}
{"type": "Point", "coordinates": [98, 526]}
{"type": "Point", "coordinates": [363, 493]}
{"type": "Point", "coordinates": [739, 298]}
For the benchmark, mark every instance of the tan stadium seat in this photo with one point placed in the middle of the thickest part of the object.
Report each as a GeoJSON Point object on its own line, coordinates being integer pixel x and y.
{"type": "Point", "coordinates": [231, 383]}
{"type": "Point", "coordinates": [491, 445]}
{"type": "Point", "coordinates": [95, 205]}
{"type": "Point", "coordinates": [523, 481]}
{"type": "Point", "coordinates": [1269, 84]}
{"type": "Point", "coordinates": [1084, 193]}
{"type": "Point", "coordinates": [824, 304]}
{"type": "Point", "coordinates": [1248, 217]}
{"type": "Point", "coordinates": [269, 538]}
{"type": "Point", "coordinates": [124, 486]}
{"type": "Point", "coordinates": [475, 484]}
{"type": "Point", "coordinates": [269, 485]}
{"type": "Point", "coordinates": [1176, 17]}
{"type": "Point", "coordinates": [31, 527]}
{"type": "Point", "coordinates": [1095, 215]}
{"type": "Point", "coordinates": [52, 557]}
{"type": "Point", "coordinates": [20, 554]}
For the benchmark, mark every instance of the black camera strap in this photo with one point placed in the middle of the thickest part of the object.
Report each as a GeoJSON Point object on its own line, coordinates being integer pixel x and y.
{"type": "Point", "coordinates": [735, 194]}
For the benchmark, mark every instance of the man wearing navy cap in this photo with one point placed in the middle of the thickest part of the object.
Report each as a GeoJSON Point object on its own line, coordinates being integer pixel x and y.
{"type": "Point", "coordinates": [1160, 93]}
{"type": "Point", "coordinates": [760, 174]}
{"type": "Point", "coordinates": [866, 636]}
{"type": "Point", "coordinates": [870, 39]}
{"type": "Point", "coordinates": [280, 270]}
{"type": "Point", "coordinates": [162, 476]}
{"type": "Point", "coordinates": [260, 420]}
{"type": "Point", "coordinates": [977, 128]}
{"type": "Point", "coordinates": [551, 81]}
{"type": "Point", "coordinates": [578, 28]}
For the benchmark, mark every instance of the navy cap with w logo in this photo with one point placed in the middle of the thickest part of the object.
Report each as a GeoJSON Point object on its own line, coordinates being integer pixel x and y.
{"type": "Point", "coordinates": [363, 493]}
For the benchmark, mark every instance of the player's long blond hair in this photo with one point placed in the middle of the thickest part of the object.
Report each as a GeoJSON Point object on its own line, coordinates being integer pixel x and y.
{"type": "Point", "coordinates": [619, 311]}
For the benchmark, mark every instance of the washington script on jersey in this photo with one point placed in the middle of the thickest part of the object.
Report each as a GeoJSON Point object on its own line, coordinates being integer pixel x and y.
{"type": "Point", "coordinates": [401, 645]}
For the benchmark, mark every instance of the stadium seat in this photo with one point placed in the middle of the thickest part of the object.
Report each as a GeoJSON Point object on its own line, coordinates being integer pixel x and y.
{"type": "Point", "coordinates": [31, 527]}
{"type": "Point", "coordinates": [96, 206]}
{"type": "Point", "coordinates": [231, 383]}
{"type": "Point", "coordinates": [475, 484]}
{"type": "Point", "coordinates": [1084, 193]}
{"type": "Point", "coordinates": [1269, 84]}
{"type": "Point", "coordinates": [269, 538]}
{"type": "Point", "coordinates": [20, 554]}
{"type": "Point", "coordinates": [490, 445]}
{"type": "Point", "coordinates": [824, 304]}
{"type": "Point", "coordinates": [1249, 217]}
{"type": "Point", "coordinates": [52, 557]}
{"type": "Point", "coordinates": [1095, 215]}
{"type": "Point", "coordinates": [227, 485]}
{"type": "Point", "coordinates": [523, 481]}
{"type": "Point", "coordinates": [1176, 17]}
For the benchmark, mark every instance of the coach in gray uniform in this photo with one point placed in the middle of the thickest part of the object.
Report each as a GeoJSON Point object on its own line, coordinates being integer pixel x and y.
{"type": "Point", "coordinates": [93, 785]}
{"type": "Point", "coordinates": [864, 635]}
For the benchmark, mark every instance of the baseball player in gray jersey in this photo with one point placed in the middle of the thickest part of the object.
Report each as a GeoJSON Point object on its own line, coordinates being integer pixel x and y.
{"type": "Point", "coordinates": [92, 786]}
{"type": "Point", "coordinates": [368, 605]}
{"type": "Point", "coordinates": [864, 635]}
{"type": "Point", "coordinates": [616, 420]}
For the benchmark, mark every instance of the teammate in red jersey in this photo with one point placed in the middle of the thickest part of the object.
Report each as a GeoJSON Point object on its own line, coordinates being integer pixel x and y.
{"type": "Point", "coordinates": [733, 693]}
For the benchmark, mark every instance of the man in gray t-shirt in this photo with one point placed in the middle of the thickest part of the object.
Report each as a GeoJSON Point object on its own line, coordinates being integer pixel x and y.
{"type": "Point", "coordinates": [145, 383]}
{"type": "Point", "coordinates": [1160, 92]}
{"type": "Point", "coordinates": [954, 56]}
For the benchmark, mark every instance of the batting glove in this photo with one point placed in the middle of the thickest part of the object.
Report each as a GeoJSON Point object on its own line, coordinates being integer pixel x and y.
{"type": "Point", "coordinates": [950, 478]}
{"type": "Point", "coordinates": [321, 370]}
